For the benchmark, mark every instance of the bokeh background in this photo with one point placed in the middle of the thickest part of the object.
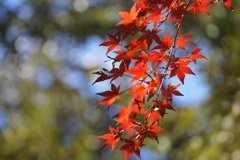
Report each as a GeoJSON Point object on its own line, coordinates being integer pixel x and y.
{"type": "Point", "coordinates": [48, 51]}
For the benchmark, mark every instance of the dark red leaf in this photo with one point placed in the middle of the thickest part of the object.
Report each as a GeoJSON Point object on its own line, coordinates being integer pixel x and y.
{"type": "Point", "coordinates": [111, 96]}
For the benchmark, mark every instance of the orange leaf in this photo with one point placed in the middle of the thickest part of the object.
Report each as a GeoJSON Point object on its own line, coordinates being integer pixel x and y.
{"type": "Point", "coordinates": [129, 17]}
{"type": "Point", "coordinates": [140, 71]}
{"type": "Point", "coordinates": [112, 138]}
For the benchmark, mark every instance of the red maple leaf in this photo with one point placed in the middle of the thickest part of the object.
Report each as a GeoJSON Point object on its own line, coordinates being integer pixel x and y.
{"type": "Point", "coordinates": [117, 72]}
{"type": "Point", "coordinates": [131, 147]}
{"type": "Point", "coordinates": [153, 85]}
{"type": "Point", "coordinates": [152, 129]}
{"type": "Point", "coordinates": [182, 42]}
{"type": "Point", "coordinates": [150, 132]}
{"type": "Point", "coordinates": [228, 3]}
{"type": "Point", "coordinates": [171, 90]}
{"type": "Point", "coordinates": [161, 106]}
{"type": "Point", "coordinates": [165, 4]}
{"type": "Point", "coordinates": [103, 75]}
{"type": "Point", "coordinates": [177, 12]}
{"type": "Point", "coordinates": [113, 43]}
{"type": "Point", "coordinates": [112, 138]}
{"type": "Point", "coordinates": [195, 55]}
{"type": "Point", "coordinates": [126, 114]}
{"type": "Point", "coordinates": [136, 44]}
{"type": "Point", "coordinates": [180, 68]}
{"type": "Point", "coordinates": [124, 55]}
{"type": "Point", "coordinates": [143, 58]}
{"type": "Point", "coordinates": [125, 30]}
{"type": "Point", "coordinates": [200, 5]}
{"type": "Point", "coordinates": [165, 43]}
{"type": "Point", "coordinates": [133, 47]}
{"type": "Point", "coordinates": [129, 125]}
{"type": "Point", "coordinates": [111, 96]}
{"type": "Point", "coordinates": [140, 71]}
{"type": "Point", "coordinates": [140, 92]}
{"type": "Point", "coordinates": [144, 3]}
{"type": "Point", "coordinates": [157, 57]}
{"type": "Point", "coordinates": [150, 36]}
{"type": "Point", "coordinates": [129, 17]}
{"type": "Point", "coordinates": [128, 120]}
{"type": "Point", "coordinates": [154, 114]}
{"type": "Point", "coordinates": [156, 16]}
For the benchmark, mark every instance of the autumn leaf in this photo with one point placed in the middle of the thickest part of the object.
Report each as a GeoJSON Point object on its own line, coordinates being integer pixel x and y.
{"type": "Point", "coordinates": [165, 43]}
{"type": "Point", "coordinates": [140, 91]}
{"type": "Point", "coordinates": [140, 71]}
{"type": "Point", "coordinates": [150, 36]}
{"type": "Point", "coordinates": [126, 113]}
{"type": "Point", "coordinates": [117, 72]}
{"type": "Point", "coordinates": [133, 47]}
{"type": "Point", "coordinates": [166, 4]}
{"type": "Point", "coordinates": [143, 3]}
{"type": "Point", "coordinates": [143, 58]}
{"type": "Point", "coordinates": [200, 5]}
{"type": "Point", "coordinates": [196, 56]}
{"type": "Point", "coordinates": [156, 16]}
{"type": "Point", "coordinates": [129, 125]}
{"type": "Point", "coordinates": [113, 43]}
{"type": "Point", "coordinates": [148, 131]}
{"type": "Point", "coordinates": [160, 107]}
{"type": "Point", "coordinates": [171, 90]}
{"type": "Point", "coordinates": [131, 147]}
{"type": "Point", "coordinates": [140, 54]}
{"type": "Point", "coordinates": [228, 3]}
{"type": "Point", "coordinates": [127, 119]}
{"type": "Point", "coordinates": [157, 57]}
{"type": "Point", "coordinates": [124, 55]}
{"type": "Point", "coordinates": [177, 12]}
{"type": "Point", "coordinates": [129, 17]}
{"type": "Point", "coordinates": [154, 128]}
{"type": "Point", "coordinates": [125, 31]}
{"type": "Point", "coordinates": [153, 115]}
{"type": "Point", "coordinates": [182, 41]}
{"type": "Point", "coordinates": [112, 138]}
{"type": "Point", "coordinates": [137, 44]}
{"type": "Point", "coordinates": [180, 69]}
{"type": "Point", "coordinates": [103, 75]}
{"type": "Point", "coordinates": [111, 96]}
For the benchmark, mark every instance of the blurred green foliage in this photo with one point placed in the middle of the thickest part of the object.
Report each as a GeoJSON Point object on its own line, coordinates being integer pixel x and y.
{"type": "Point", "coordinates": [47, 103]}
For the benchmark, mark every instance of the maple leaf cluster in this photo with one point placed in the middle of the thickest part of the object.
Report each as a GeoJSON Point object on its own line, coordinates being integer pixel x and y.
{"type": "Point", "coordinates": [141, 55]}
